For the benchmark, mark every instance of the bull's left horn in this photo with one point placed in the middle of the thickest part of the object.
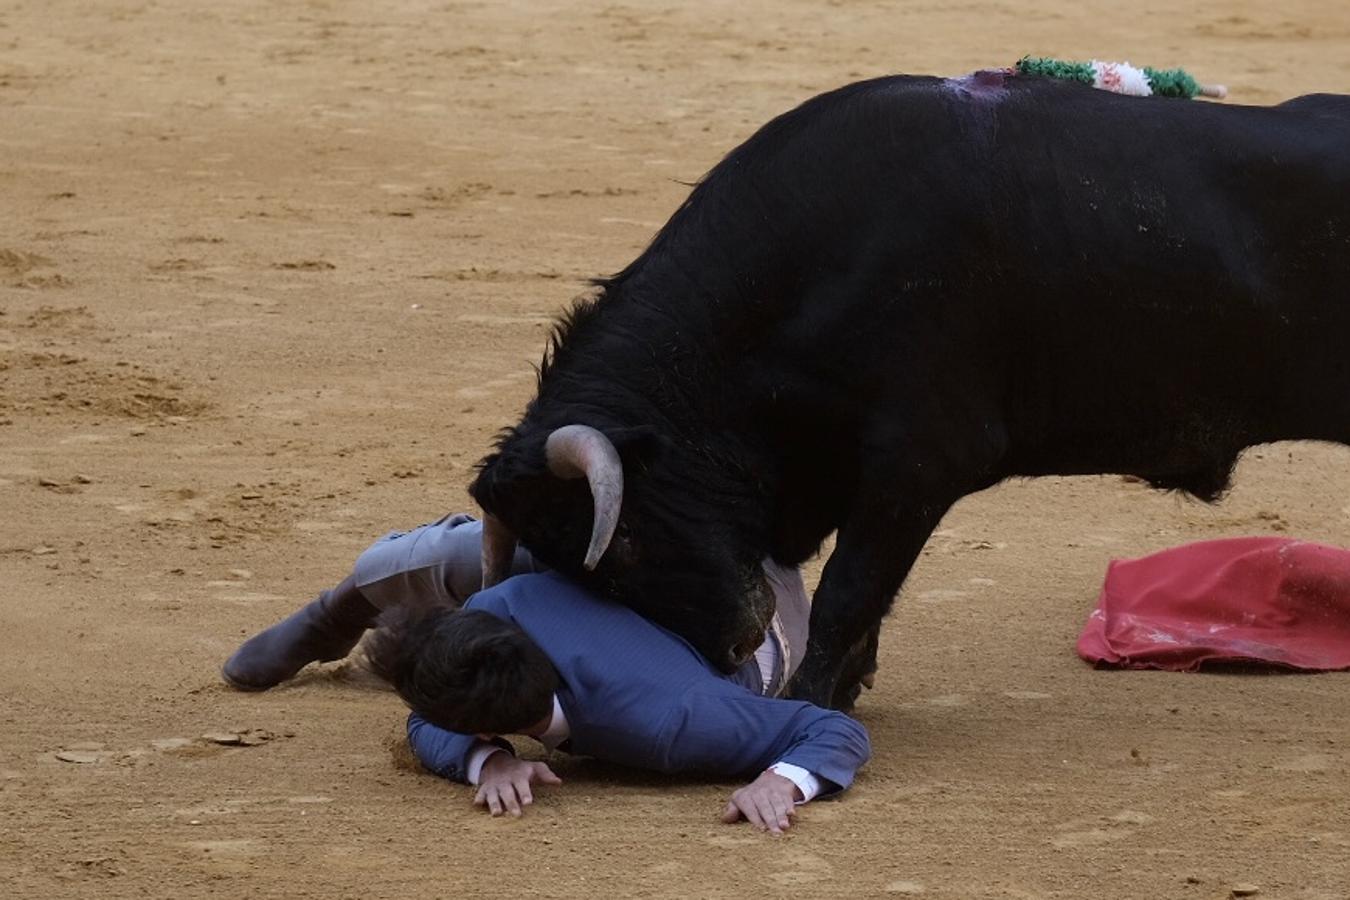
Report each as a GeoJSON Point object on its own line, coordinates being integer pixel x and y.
{"type": "Point", "coordinates": [576, 451]}
{"type": "Point", "coordinates": [499, 550]}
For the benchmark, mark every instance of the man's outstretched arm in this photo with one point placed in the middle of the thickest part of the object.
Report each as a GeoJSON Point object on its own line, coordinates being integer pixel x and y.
{"type": "Point", "coordinates": [503, 781]}
{"type": "Point", "coordinates": [458, 757]}
{"type": "Point", "coordinates": [768, 803]}
{"type": "Point", "coordinates": [721, 728]}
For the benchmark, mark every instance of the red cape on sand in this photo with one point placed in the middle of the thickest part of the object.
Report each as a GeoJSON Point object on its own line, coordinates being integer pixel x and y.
{"type": "Point", "coordinates": [1261, 599]}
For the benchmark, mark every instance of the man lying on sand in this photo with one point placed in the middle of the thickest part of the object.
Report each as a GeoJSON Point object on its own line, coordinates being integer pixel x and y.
{"type": "Point", "coordinates": [537, 655]}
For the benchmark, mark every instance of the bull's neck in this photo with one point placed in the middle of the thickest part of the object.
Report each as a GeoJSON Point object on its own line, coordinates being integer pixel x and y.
{"type": "Point", "coordinates": [661, 342]}
{"type": "Point", "coordinates": [658, 350]}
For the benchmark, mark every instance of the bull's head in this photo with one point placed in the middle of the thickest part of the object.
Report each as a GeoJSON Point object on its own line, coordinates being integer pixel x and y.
{"type": "Point", "coordinates": [669, 540]}
{"type": "Point", "coordinates": [570, 452]}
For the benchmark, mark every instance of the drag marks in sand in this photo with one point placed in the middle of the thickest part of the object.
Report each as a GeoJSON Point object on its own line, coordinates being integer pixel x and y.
{"type": "Point", "coordinates": [1102, 830]}
{"type": "Point", "coordinates": [22, 269]}
{"type": "Point", "coordinates": [216, 518]}
{"type": "Point", "coordinates": [42, 378]}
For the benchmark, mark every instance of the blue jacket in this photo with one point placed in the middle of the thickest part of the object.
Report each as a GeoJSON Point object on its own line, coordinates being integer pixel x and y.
{"type": "Point", "coordinates": [634, 693]}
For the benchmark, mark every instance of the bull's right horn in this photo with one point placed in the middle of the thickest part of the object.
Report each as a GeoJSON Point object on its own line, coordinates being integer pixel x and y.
{"type": "Point", "coordinates": [574, 451]}
{"type": "Point", "coordinates": [499, 550]}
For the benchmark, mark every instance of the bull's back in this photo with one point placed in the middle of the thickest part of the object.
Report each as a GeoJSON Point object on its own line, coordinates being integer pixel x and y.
{"type": "Point", "coordinates": [1176, 286]}
{"type": "Point", "coordinates": [1025, 194]}
{"type": "Point", "coordinates": [1111, 277]}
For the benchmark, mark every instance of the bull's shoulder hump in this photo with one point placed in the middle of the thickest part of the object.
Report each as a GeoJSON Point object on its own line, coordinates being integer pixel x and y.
{"type": "Point", "coordinates": [888, 90]}
{"type": "Point", "coordinates": [1333, 105]}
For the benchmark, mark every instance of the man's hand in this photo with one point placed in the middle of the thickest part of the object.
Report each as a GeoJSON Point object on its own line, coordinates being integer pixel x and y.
{"type": "Point", "coordinates": [504, 783]}
{"type": "Point", "coordinates": [768, 803]}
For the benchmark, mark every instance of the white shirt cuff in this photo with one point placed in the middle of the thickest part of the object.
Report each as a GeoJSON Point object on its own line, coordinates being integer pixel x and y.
{"type": "Point", "coordinates": [807, 783]}
{"type": "Point", "coordinates": [477, 756]}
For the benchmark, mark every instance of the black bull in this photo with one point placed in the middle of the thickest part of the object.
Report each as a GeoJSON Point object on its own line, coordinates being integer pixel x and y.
{"type": "Point", "coordinates": [908, 290]}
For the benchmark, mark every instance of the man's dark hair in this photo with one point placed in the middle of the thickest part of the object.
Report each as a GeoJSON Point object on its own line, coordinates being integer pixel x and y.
{"type": "Point", "coordinates": [465, 670]}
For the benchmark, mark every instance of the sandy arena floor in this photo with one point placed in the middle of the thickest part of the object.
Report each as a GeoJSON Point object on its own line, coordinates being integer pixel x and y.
{"type": "Point", "coordinates": [271, 275]}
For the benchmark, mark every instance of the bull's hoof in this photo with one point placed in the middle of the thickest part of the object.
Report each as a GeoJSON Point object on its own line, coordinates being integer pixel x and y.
{"type": "Point", "coordinates": [817, 694]}
{"type": "Point", "coordinates": [844, 699]}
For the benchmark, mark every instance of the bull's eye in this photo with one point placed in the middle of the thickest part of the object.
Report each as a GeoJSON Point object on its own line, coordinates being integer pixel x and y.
{"type": "Point", "coordinates": [623, 539]}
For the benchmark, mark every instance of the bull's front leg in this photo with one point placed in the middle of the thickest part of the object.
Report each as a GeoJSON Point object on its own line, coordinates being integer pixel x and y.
{"type": "Point", "coordinates": [859, 670]}
{"type": "Point", "coordinates": [910, 484]}
{"type": "Point", "coordinates": [874, 552]}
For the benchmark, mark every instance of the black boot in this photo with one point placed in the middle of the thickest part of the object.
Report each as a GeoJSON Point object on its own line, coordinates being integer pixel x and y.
{"type": "Point", "coordinates": [326, 629]}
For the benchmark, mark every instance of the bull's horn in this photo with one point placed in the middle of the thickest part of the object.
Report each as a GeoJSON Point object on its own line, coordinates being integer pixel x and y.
{"type": "Point", "coordinates": [576, 451]}
{"type": "Point", "coordinates": [499, 550]}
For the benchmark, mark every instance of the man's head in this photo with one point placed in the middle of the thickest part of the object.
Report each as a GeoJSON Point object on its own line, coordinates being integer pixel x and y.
{"type": "Point", "coordinates": [467, 671]}
{"type": "Point", "coordinates": [674, 532]}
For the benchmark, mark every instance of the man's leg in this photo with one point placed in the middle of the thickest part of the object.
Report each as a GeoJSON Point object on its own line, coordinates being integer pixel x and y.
{"type": "Point", "coordinates": [326, 629]}
{"type": "Point", "coordinates": [401, 567]}
{"type": "Point", "coordinates": [432, 565]}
